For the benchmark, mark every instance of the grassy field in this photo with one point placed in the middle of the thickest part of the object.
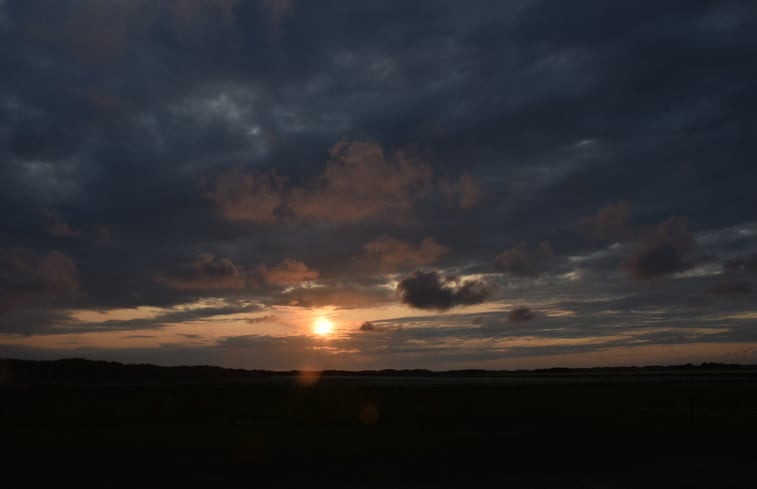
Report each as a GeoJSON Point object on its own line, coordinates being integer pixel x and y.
{"type": "Point", "coordinates": [570, 429]}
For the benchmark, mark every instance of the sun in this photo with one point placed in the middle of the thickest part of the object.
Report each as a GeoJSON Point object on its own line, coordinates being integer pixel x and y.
{"type": "Point", "coordinates": [323, 326]}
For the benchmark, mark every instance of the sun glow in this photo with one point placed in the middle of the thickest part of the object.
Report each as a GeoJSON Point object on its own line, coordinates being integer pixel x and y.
{"type": "Point", "coordinates": [323, 326]}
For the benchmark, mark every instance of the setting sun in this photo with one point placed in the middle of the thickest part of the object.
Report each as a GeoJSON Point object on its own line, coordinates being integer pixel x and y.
{"type": "Point", "coordinates": [323, 326]}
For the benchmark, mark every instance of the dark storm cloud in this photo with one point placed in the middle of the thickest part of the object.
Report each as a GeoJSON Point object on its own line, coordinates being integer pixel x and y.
{"type": "Point", "coordinates": [429, 290]}
{"type": "Point", "coordinates": [665, 251]}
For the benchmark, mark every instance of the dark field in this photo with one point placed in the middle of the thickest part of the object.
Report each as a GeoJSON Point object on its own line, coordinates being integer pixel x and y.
{"type": "Point", "coordinates": [111, 425]}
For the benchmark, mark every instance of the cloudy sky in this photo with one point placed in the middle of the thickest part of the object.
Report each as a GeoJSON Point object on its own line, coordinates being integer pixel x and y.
{"type": "Point", "coordinates": [360, 184]}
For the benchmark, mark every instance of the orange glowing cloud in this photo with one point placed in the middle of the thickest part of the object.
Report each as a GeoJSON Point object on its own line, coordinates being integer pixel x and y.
{"type": "Point", "coordinates": [288, 272]}
{"type": "Point", "coordinates": [361, 182]}
{"type": "Point", "coordinates": [246, 197]}
{"type": "Point", "coordinates": [390, 253]}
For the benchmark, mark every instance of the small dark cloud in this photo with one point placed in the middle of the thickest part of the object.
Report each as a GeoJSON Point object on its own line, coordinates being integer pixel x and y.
{"type": "Point", "coordinates": [748, 264]}
{"type": "Point", "coordinates": [520, 314]}
{"type": "Point", "coordinates": [368, 326]}
{"type": "Point", "coordinates": [728, 288]}
{"type": "Point", "coordinates": [663, 252]}
{"type": "Point", "coordinates": [516, 260]}
{"type": "Point", "coordinates": [429, 290]}
{"type": "Point", "coordinates": [610, 223]}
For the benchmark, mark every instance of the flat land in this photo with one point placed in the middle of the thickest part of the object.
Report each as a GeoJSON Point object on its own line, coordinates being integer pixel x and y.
{"type": "Point", "coordinates": [637, 429]}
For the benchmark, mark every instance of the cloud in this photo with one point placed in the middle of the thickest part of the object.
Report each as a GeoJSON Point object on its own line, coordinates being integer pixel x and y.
{"type": "Point", "coordinates": [663, 252]}
{"type": "Point", "coordinates": [56, 225]}
{"type": "Point", "coordinates": [748, 264]}
{"type": "Point", "coordinates": [208, 92]}
{"type": "Point", "coordinates": [191, 14]}
{"type": "Point", "coordinates": [391, 254]}
{"type": "Point", "coordinates": [361, 182]}
{"type": "Point", "coordinates": [3, 20]}
{"type": "Point", "coordinates": [27, 275]}
{"type": "Point", "coordinates": [546, 248]}
{"type": "Point", "coordinates": [244, 196]}
{"type": "Point", "coordinates": [206, 272]}
{"type": "Point", "coordinates": [95, 33]}
{"type": "Point", "coordinates": [428, 290]}
{"type": "Point", "coordinates": [610, 223]}
{"type": "Point", "coordinates": [288, 272]}
{"type": "Point", "coordinates": [368, 326]}
{"type": "Point", "coordinates": [515, 260]}
{"type": "Point", "coordinates": [340, 295]}
{"type": "Point", "coordinates": [276, 11]}
{"type": "Point", "coordinates": [101, 235]}
{"type": "Point", "coordinates": [463, 193]}
{"type": "Point", "coordinates": [728, 288]}
{"type": "Point", "coordinates": [263, 319]}
{"type": "Point", "coordinates": [520, 314]}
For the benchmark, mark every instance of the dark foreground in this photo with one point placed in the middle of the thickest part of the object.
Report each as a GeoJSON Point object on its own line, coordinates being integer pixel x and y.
{"type": "Point", "coordinates": [109, 425]}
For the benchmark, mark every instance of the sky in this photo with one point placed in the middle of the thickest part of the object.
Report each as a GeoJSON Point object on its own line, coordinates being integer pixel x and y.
{"type": "Point", "coordinates": [284, 184]}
